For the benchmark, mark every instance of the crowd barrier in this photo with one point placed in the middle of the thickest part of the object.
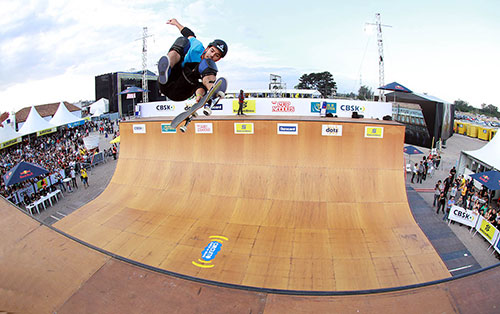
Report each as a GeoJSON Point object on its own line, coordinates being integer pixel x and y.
{"type": "Point", "coordinates": [477, 223]}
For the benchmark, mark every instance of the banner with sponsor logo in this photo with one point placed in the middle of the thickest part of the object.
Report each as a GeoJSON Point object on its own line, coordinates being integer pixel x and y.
{"type": "Point", "coordinates": [374, 131]}
{"type": "Point", "coordinates": [166, 128]}
{"type": "Point", "coordinates": [331, 130]}
{"type": "Point", "coordinates": [463, 216]}
{"type": "Point", "coordinates": [276, 106]}
{"type": "Point", "coordinates": [497, 245]}
{"type": "Point", "coordinates": [288, 128]}
{"type": "Point", "coordinates": [243, 128]}
{"type": "Point", "coordinates": [248, 106]}
{"type": "Point", "coordinates": [46, 131]}
{"type": "Point", "coordinates": [486, 229]}
{"type": "Point", "coordinates": [139, 128]}
{"type": "Point", "coordinates": [203, 128]}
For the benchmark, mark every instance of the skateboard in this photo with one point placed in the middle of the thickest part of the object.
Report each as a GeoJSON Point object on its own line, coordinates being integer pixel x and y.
{"type": "Point", "coordinates": [213, 96]}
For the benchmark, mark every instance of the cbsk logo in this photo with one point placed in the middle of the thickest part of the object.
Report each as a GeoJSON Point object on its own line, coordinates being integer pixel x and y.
{"type": "Point", "coordinates": [139, 128]}
{"type": "Point", "coordinates": [165, 107]}
{"type": "Point", "coordinates": [463, 215]}
{"type": "Point", "coordinates": [352, 108]}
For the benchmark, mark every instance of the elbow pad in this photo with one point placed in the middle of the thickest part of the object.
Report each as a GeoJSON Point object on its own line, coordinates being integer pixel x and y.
{"type": "Point", "coordinates": [186, 32]}
{"type": "Point", "coordinates": [207, 67]}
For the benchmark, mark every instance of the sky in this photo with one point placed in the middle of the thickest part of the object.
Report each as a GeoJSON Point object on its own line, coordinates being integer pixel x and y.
{"type": "Point", "coordinates": [51, 51]}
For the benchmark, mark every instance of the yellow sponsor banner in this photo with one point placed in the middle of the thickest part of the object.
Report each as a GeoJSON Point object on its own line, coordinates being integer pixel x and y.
{"type": "Point", "coordinates": [243, 128]}
{"type": "Point", "coordinates": [10, 143]}
{"type": "Point", "coordinates": [47, 131]}
{"type": "Point", "coordinates": [374, 131]}
{"type": "Point", "coordinates": [248, 107]}
{"type": "Point", "coordinates": [487, 230]}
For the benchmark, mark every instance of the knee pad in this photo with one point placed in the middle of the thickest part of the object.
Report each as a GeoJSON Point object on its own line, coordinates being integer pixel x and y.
{"type": "Point", "coordinates": [181, 46]}
{"type": "Point", "coordinates": [207, 67]}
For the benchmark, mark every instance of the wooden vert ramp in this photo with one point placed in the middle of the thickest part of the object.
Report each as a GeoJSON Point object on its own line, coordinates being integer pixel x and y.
{"type": "Point", "coordinates": [304, 212]}
{"type": "Point", "coordinates": [43, 271]}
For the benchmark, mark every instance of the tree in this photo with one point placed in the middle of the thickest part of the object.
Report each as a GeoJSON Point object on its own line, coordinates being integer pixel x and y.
{"type": "Point", "coordinates": [323, 82]}
{"type": "Point", "coordinates": [365, 93]}
{"type": "Point", "coordinates": [463, 106]}
{"type": "Point", "coordinates": [489, 110]}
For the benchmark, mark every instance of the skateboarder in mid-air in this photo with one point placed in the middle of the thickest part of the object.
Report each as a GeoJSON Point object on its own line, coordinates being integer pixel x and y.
{"type": "Point", "coordinates": [189, 68]}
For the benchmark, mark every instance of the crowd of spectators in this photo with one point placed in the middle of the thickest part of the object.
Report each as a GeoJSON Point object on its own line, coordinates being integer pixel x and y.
{"type": "Point", "coordinates": [425, 169]}
{"type": "Point", "coordinates": [462, 192]}
{"type": "Point", "coordinates": [62, 153]}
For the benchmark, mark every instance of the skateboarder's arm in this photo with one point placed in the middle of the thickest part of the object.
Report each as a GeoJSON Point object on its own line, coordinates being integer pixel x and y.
{"type": "Point", "coordinates": [186, 32]}
{"type": "Point", "coordinates": [209, 80]}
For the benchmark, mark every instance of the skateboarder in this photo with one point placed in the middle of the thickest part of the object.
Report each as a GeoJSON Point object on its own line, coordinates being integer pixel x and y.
{"type": "Point", "coordinates": [189, 68]}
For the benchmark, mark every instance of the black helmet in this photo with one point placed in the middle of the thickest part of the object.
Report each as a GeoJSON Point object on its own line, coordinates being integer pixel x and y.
{"type": "Point", "coordinates": [219, 44]}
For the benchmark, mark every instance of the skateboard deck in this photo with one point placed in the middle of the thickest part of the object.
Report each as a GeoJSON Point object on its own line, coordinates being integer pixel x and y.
{"type": "Point", "coordinates": [219, 86]}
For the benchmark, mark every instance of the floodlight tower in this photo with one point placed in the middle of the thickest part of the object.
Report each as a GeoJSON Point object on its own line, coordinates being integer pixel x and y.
{"type": "Point", "coordinates": [144, 64]}
{"type": "Point", "coordinates": [380, 44]}
{"type": "Point", "coordinates": [381, 56]}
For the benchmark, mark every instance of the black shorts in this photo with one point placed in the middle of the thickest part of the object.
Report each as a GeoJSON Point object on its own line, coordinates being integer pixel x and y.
{"type": "Point", "coordinates": [182, 82]}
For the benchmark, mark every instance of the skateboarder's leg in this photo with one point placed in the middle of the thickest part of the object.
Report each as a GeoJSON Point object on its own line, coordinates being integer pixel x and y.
{"type": "Point", "coordinates": [175, 55]}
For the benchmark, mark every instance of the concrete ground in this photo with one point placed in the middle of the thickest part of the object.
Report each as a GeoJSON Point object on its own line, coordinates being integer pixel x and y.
{"type": "Point", "coordinates": [100, 176]}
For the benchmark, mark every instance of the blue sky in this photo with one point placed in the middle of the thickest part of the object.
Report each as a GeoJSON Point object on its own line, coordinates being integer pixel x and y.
{"type": "Point", "coordinates": [51, 50]}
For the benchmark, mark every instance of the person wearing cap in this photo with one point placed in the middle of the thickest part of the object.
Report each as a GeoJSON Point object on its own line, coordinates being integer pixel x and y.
{"type": "Point", "coordinates": [189, 68]}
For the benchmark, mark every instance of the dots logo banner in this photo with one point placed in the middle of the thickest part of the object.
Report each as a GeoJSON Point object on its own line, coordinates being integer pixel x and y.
{"type": "Point", "coordinates": [331, 130]}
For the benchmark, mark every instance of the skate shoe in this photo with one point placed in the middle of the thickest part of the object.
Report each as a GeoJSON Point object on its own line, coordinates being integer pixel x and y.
{"type": "Point", "coordinates": [163, 70]}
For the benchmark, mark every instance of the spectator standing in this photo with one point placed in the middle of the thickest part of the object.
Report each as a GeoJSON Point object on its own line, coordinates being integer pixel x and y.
{"type": "Point", "coordinates": [437, 192]}
{"type": "Point", "coordinates": [441, 203]}
{"type": "Point", "coordinates": [414, 172]}
{"type": "Point", "coordinates": [451, 202]}
{"type": "Point", "coordinates": [85, 177]}
{"type": "Point", "coordinates": [241, 103]}
{"type": "Point", "coordinates": [72, 173]}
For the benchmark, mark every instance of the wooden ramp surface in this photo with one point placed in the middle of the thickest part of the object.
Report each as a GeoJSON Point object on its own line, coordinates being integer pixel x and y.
{"type": "Point", "coordinates": [295, 212]}
{"type": "Point", "coordinates": [42, 271]}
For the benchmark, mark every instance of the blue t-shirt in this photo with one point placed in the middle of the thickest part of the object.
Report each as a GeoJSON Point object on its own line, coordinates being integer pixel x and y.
{"type": "Point", "coordinates": [195, 51]}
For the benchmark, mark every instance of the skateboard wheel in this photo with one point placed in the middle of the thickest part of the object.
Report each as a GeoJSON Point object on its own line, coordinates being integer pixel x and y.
{"type": "Point", "coordinates": [221, 94]}
{"type": "Point", "coordinates": [207, 111]}
{"type": "Point", "coordinates": [195, 114]}
{"type": "Point", "coordinates": [183, 129]}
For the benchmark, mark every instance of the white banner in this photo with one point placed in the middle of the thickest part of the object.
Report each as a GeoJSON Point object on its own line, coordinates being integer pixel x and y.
{"type": "Point", "coordinates": [486, 229]}
{"type": "Point", "coordinates": [276, 106]}
{"type": "Point", "coordinates": [463, 216]}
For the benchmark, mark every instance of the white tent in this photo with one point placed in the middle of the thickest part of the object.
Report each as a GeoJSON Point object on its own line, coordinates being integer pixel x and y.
{"type": "Point", "coordinates": [7, 133]}
{"type": "Point", "coordinates": [487, 156]}
{"type": "Point", "coordinates": [97, 113]}
{"type": "Point", "coordinates": [35, 123]}
{"type": "Point", "coordinates": [100, 105]}
{"type": "Point", "coordinates": [63, 116]}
